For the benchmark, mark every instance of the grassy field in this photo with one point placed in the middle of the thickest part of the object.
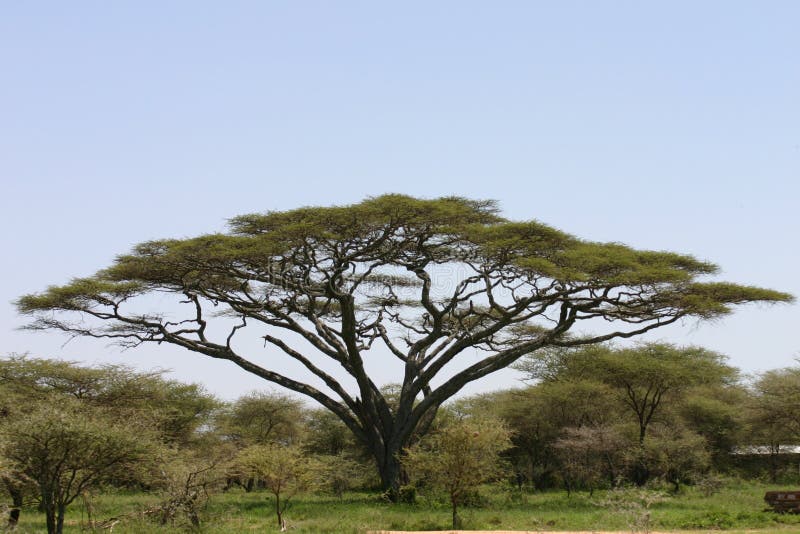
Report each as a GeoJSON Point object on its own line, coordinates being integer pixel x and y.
{"type": "Point", "coordinates": [738, 507]}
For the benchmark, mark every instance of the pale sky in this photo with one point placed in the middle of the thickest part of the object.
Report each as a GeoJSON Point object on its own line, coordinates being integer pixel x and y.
{"type": "Point", "coordinates": [662, 125]}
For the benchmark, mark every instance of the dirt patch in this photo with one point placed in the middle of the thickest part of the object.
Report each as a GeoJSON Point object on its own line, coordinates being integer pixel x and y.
{"type": "Point", "coordinates": [762, 531]}
{"type": "Point", "coordinates": [757, 531]}
{"type": "Point", "coordinates": [508, 532]}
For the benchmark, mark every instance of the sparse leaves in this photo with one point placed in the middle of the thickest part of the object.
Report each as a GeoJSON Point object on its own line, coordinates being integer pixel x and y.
{"type": "Point", "coordinates": [459, 457]}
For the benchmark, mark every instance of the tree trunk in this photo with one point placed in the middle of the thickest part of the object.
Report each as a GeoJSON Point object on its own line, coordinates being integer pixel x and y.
{"type": "Point", "coordinates": [278, 511]}
{"type": "Point", "coordinates": [50, 518]}
{"type": "Point", "coordinates": [456, 519]}
{"type": "Point", "coordinates": [641, 473]}
{"type": "Point", "coordinates": [16, 506]}
{"type": "Point", "coordinates": [60, 518]}
{"type": "Point", "coordinates": [13, 518]}
{"type": "Point", "coordinates": [774, 450]}
{"type": "Point", "coordinates": [391, 475]}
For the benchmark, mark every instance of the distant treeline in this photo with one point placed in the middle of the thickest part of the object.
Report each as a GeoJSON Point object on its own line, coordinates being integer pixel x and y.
{"type": "Point", "coordinates": [595, 417]}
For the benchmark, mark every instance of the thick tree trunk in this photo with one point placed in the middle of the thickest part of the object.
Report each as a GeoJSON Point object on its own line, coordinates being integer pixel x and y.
{"type": "Point", "coordinates": [641, 474]}
{"type": "Point", "coordinates": [386, 450]}
{"type": "Point", "coordinates": [13, 518]}
{"type": "Point", "coordinates": [391, 472]}
{"type": "Point", "coordinates": [50, 518]}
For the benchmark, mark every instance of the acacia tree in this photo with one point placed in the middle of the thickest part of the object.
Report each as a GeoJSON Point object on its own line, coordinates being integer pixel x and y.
{"type": "Point", "coordinates": [646, 377]}
{"type": "Point", "coordinates": [772, 414]}
{"type": "Point", "coordinates": [283, 469]}
{"type": "Point", "coordinates": [459, 457]}
{"type": "Point", "coordinates": [330, 284]}
{"type": "Point", "coordinates": [649, 379]}
{"type": "Point", "coordinates": [176, 410]}
{"type": "Point", "coordinates": [259, 418]}
{"type": "Point", "coordinates": [66, 447]}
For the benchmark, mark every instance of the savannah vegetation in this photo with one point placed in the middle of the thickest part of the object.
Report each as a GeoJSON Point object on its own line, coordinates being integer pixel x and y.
{"type": "Point", "coordinates": [323, 287]}
{"type": "Point", "coordinates": [110, 447]}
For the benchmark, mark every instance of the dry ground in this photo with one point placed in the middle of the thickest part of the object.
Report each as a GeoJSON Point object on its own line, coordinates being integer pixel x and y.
{"type": "Point", "coordinates": [757, 531]}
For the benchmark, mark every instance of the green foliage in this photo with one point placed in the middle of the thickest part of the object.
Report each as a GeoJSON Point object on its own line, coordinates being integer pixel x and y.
{"type": "Point", "coordinates": [175, 409]}
{"type": "Point", "coordinates": [777, 396]}
{"type": "Point", "coordinates": [676, 454]}
{"type": "Point", "coordinates": [284, 471]}
{"type": "Point", "coordinates": [341, 473]}
{"type": "Point", "coordinates": [645, 378]}
{"type": "Point", "coordinates": [635, 505]}
{"type": "Point", "coordinates": [80, 294]}
{"type": "Point", "coordinates": [326, 434]}
{"type": "Point", "coordinates": [257, 241]}
{"type": "Point", "coordinates": [459, 457]}
{"type": "Point", "coordinates": [771, 416]}
{"type": "Point", "coordinates": [342, 280]}
{"type": "Point", "coordinates": [184, 483]}
{"type": "Point", "coordinates": [627, 391]}
{"type": "Point", "coordinates": [262, 418]}
{"type": "Point", "coordinates": [737, 506]}
{"type": "Point", "coordinates": [718, 414]}
{"type": "Point", "coordinates": [65, 448]}
{"type": "Point", "coordinates": [589, 456]}
{"type": "Point", "coordinates": [109, 406]}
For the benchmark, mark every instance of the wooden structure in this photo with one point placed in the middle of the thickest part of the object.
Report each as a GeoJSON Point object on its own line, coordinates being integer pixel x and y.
{"type": "Point", "coordinates": [784, 501]}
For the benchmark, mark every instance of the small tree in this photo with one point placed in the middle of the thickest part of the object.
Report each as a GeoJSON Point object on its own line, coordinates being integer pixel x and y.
{"type": "Point", "coordinates": [648, 380]}
{"type": "Point", "coordinates": [342, 473]}
{"type": "Point", "coordinates": [634, 505]}
{"type": "Point", "coordinates": [718, 414]}
{"type": "Point", "coordinates": [538, 416]}
{"type": "Point", "coordinates": [259, 418]}
{"type": "Point", "coordinates": [284, 471]}
{"type": "Point", "coordinates": [459, 457]}
{"type": "Point", "coordinates": [176, 410]}
{"type": "Point", "coordinates": [185, 483]}
{"type": "Point", "coordinates": [326, 434]}
{"type": "Point", "coordinates": [772, 415]}
{"type": "Point", "coordinates": [66, 448]}
{"type": "Point", "coordinates": [677, 454]}
{"type": "Point", "coordinates": [589, 454]}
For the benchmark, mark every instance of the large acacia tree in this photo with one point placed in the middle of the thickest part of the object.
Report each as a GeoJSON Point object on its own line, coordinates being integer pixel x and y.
{"type": "Point", "coordinates": [428, 280]}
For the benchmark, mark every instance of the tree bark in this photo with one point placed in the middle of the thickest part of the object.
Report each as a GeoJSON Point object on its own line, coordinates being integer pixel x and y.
{"type": "Point", "coordinates": [16, 506]}
{"type": "Point", "coordinates": [641, 473]}
{"type": "Point", "coordinates": [50, 517]}
{"type": "Point", "coordinates": [456, 519]}
{"type": "Point", "coordinates": [13, 518]}
{"type": "Point", "coordinates": [390, 470]}
{"type": "Point", "coordinates": [61, 509]}
{"type": "Point", "coordinates": [278, 511]}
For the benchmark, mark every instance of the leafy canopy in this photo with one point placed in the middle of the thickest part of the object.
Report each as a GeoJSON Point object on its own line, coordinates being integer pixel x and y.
{"type": "Point", "coordinates": [424, 279]}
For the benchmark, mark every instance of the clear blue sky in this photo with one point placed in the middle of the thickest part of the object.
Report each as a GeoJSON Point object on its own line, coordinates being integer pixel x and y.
{"type": "Point", "coordinates": [663, 125]}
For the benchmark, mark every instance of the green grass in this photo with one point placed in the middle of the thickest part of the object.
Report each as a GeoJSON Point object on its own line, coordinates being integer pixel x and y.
{"type": "Point", "coordinates": [737, 507]}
